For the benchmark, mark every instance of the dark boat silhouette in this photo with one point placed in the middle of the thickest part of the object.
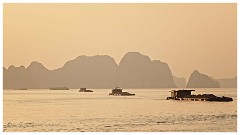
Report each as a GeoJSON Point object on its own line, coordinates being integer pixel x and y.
{"type": "Point", "coordinates": [59, 88]}
{"type": "Point", "coordinates": [186, 95]}
{"type": "Point", "coordinates": [84, 90]}
{"type": "Point", "coordinates": [118, 92]}
{"type": "Point", "coordinates": [21, 89]}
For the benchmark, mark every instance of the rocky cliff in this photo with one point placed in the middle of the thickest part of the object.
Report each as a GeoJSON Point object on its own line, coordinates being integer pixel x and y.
{"type": "Point", "coordinates": [138, 71]}
{"type": "Point", "coordinates": [198, 80]}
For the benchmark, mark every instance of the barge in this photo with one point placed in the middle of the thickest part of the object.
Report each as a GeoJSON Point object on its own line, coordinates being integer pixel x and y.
{"type": "Point", "coordinates": [186, 95]}
{"type": "Point", "coordinates": [118, 92]}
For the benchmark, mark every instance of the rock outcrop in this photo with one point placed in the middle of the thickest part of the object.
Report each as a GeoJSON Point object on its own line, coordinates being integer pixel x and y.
{"type": "Point", "coordinates": [91, 72]}
{"type": "Point", "coordinates": [101, 71]}
{"type": "Point", "coordinates": [198, 80]}
{"type": "Point", "coordinates": [138, 71]}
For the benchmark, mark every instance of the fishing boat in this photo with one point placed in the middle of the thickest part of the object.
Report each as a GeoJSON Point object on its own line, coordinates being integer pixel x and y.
{"type": "Point", "coordinates": [118, 92]}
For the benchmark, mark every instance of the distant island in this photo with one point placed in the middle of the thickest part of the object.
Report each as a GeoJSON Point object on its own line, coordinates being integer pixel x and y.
{"type": "Point", "coordinates": [228, 82]}
{"type": "Point", "coordinates": [198, 80]}
{"type": "Point", "coordinates": [135, 70]}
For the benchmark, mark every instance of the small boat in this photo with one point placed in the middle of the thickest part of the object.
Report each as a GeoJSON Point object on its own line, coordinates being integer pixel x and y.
{"type": "Point", "coordinates": [21, 89]}
{"type": "Point", "coordinates": [59, 88]}
{"type": "Point", "coordinates": [84, 90]}
{"type": "Point", "coordinates": [118, 92]}
{"type": "Point", "coordinates": [186, 95]}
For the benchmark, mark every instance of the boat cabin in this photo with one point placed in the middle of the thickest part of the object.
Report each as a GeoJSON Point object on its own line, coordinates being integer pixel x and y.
{"type": "Point", "coordinates": [180, 93]}
{"type": "Point", "coordinates": [83, 89]}
{"type": "Point", "coordinates": [117, 90]}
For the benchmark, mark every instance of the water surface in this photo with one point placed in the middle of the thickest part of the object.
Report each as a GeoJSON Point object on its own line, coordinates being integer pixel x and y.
{"type": "Point", "coordinates": [148, 111]}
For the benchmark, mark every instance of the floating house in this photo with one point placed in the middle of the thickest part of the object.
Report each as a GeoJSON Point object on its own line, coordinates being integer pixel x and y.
{"type": "Point", "coordinates": [186, 95]}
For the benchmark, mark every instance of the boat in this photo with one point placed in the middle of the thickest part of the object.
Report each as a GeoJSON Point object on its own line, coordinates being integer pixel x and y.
{"type": "Point", "coordinates": [21, 89]}
{"type": "Point", "coordinates": [84, 90]}
{"type": "Point", "coordinates": [186, 95]}
{"type": "Point", "coordinates": [59, 88]}
{"type": "Point", "coordinates": [118, 92]}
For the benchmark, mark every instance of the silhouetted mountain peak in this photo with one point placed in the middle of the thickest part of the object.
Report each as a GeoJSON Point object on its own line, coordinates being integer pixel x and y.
{"type": "Point", "coordinates": [13, 67]}
{"type": "Point", "coordinates": [139, 71]}
{"type": "Point", "coordinates": [22, 67]}
{"type": "Point", "coordinates": [100, 71]}
{"type": "Point", "coordinates": [103, 58]}
{"type": "Point", "coordinates": [93, 57]}
{"type": "Point", "coordinates": [160, 62]}
{"type": "Point", "coordinates": [199, 80]}
{"type": "Point", "coordinates": [134, 58]}
{"type": "Point", "coordinates": [85, 60]}
{"type": "Point", "coordinates": [82, 57]}
{"type": "Point", "coordinates": [36, 66]}
{"type": "Point", "coordinates": [196, 72]}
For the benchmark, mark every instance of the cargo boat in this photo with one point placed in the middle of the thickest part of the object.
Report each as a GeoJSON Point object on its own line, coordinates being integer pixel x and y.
{"type": "Point", "coordinates": [186, 95]}
{"type": "Point", "coordinates": [118, 92]}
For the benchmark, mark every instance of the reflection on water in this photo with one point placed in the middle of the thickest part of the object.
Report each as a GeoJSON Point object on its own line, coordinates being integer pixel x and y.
{"type": "Point", "coordinates": [148, 111]}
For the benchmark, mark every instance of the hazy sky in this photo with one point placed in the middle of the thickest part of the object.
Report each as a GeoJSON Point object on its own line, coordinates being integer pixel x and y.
{"type": "Point", "coordinates": [186, 36]}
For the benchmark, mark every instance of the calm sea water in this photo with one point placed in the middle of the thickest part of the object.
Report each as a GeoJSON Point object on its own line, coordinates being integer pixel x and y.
{"type": "Point", "coordinates": [148, 111]}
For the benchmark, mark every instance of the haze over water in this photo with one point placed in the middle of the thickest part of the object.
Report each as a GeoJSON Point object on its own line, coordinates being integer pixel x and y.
{"type": "Point", "coordinates": [61, 110]}
{"type": "Point", "coordinates": [132, 45]}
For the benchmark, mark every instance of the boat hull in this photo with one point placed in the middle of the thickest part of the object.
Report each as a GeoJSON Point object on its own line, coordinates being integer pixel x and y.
{"type": "Point", "coordinates": [121, 94]}
{"type": "Point", "coordinates": [217, 99]}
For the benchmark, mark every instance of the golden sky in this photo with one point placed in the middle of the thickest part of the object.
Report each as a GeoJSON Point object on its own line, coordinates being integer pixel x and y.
{"type": "Point", "coordinates": [186, 36]}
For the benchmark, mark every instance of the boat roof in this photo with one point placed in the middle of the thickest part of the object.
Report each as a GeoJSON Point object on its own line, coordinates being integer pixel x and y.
{"type": "Point", "coordinates": [180, 90]}
{"type": "Point", "coordinates": [117, 88]}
